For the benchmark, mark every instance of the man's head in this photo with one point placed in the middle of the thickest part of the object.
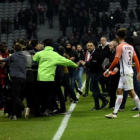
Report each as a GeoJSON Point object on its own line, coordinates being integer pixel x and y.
{"type": "Point", "coordinates": [79, 47]}
{"type": "Point", "coordinates": [112, 45]}
{"type": "Point", "coordinates": [48, 42]}
{"type": "Point", "coordinates": [17, 47]}
{"type": "Point", "coordinates": [103, 41]}
{"type": "Point", "coordinates": [68, 45]}
{"type": "Point", "coordinates": [35, 44]}
{"type": "Point", "coordinates": [121, 33]}
{"type": "Point", "coordinates": [90, 46]}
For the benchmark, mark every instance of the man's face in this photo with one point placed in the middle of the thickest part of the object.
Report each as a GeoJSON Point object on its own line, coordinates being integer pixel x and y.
{"type": "Point", "coordinates": [111, 46]}
{"type": "Point", "coordinates": [79, 48]}
{"type": "Point", "coordinates": [90, 46]}
{"type": "Point", "coordinates": [68, 46]}
{"type": "Point", "coordinates": [38, 47]}
{"type": "Point", "coordinates": [103, 41]}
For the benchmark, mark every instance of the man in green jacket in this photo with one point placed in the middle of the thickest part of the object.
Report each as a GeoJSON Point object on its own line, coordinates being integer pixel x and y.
{"type": "Point", "coordinates": [47, 62]}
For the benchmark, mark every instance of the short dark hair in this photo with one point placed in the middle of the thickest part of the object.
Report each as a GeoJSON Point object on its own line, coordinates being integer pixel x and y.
{"type": "Point", "coordinates": [122, 33]}
{"type": "Point", "coordinates": [17, 47]}
{"type": "Point", "coordinates": [29, 47]}
{"type": "Point", "coordinates": [34, 42]}
{"type": "Point", "coordinates": [48, 42]}
{"type": "Point", "coordinates": [91, 42]}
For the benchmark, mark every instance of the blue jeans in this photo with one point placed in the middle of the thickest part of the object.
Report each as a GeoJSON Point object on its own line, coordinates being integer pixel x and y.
{"type": "Point", "coordinates": [136, 89]}
{"type": "Point", "coordinates": [72, 78]}
{"type": "Point", "coordinates": [95, 77]}
{"type": "Point", "coordinates": [79, 74]}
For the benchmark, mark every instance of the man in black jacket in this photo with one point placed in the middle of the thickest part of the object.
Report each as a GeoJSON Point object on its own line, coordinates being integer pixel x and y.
{"type": "Point", "coordinates": [114, 79]}
{"type": "Point", "coordinates": [105, 53]}
{"type": "Point", "coordinates": [96, 71]}
{"type": "Point", "coordinates": [74, 57]}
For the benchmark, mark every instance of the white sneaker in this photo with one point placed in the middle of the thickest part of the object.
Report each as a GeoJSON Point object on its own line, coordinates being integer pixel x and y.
{"type": "Point", "coordinates": [138, 115]}
{"type": "Point", "coordinates": [111, 116]}
{"type": "Point", "coordinates": [27, 111]}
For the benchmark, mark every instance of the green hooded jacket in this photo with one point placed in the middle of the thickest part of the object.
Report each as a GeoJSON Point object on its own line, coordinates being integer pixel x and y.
{"type": "Point", "coordinates": [47, 62]}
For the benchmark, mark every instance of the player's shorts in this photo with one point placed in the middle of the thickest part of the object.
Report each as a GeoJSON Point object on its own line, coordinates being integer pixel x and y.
{"type": "Point", "coordinates": [126, 82]}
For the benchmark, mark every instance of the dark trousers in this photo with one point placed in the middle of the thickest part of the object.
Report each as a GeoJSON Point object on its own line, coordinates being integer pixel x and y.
{"type": "Point", "coordinates": [104, 82]}
{"type": "Point", "coordinates": [60, 95]}
{"type": "Point", "coordinates": [47, 94]}
{"type": "Point", "coordinates": [66, 85]}
{"type": "Point", "coordinates": [88, 76]}
{"type": "Point", "coordinates": [95, 89]}
{"type": "Point", "coordinates": [112, 92]}
{"type": "Point", "coordinates": [4, 81]}
{"type": "Point", "coordinates": [17, 88]}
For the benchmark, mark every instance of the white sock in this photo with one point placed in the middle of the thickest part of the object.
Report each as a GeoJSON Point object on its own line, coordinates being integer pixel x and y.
{"type": "Point", "coordinates": [118, 103]}
{"type": "Point", "coordinates": [137, 102]}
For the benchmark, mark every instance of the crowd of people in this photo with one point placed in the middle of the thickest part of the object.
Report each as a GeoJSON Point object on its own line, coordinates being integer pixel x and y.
{"type": "Point", "coordinates": [32, 67]}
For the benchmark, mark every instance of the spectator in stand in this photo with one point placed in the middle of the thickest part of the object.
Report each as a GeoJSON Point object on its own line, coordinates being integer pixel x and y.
{"type": "Point", "coordinates": [96, 16]}
{"type": "Point", "coordinates": [104, 21]}
{"type": "Point", "coordinates": [123, 16]}
{"type": "Point", "coordinates": [137, 10]}
{"type": "Point", "coordinates": [124, 4]}
{"type": "Point", "coordinates": [56, 6]}
{"type": "Point", "coordinates": [41, 10]}
{"type": "Point", "coordinates": [112, 34]}
{"type": "Point", "coordinates": [49, 15]}
{"type": "Point", "coordinates": [21, 18]}
{"type": "Point", "coordinates": [131, 15]}
{"type": "Point", "coordinates": [9, 25]}
{"type": "Point", "coordinates": [111, 21]}
{"type": "Point", "coordinates": [117, 15]}
{"type": "Point", "coordinates": [16, 22]}
{"type": "Point", "coordinates": [3, 26]}
{"type": "Point", "coordinates": [30, 30]}
{"type": "Point", "coordinates": [34, 14]}
{"type": "Point", "coordinates": [94, 26]}
{"type": "Point", "coordinates": [64, 23]}
{"type": "Point", "coordinates": [131, 28]}
{"type": "Point", "coordinates": [138, 2]}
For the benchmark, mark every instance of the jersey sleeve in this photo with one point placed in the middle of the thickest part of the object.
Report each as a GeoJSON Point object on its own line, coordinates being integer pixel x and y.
{"type": "Point", "coordinates": [119, 50]}
{"type": "Point", "coordinates": [134, 53]}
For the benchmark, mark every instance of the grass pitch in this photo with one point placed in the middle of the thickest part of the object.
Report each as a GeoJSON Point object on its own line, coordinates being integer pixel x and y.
{"type": "Point", "coordinates": [83, 124]}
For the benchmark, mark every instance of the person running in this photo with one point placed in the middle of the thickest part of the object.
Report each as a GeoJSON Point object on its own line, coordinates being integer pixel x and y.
{"type": "Point", "coordinates": [124, 54]}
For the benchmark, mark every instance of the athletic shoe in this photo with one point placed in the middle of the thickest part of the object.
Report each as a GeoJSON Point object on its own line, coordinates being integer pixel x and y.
{"type": "Point", "coordinates": [104, 104]}
{"type": "Point", "coordinates": [134, 109]}
{"type": "Point", "coordinates": [27, 111]}
{"type": "Point", "coordinates": [13, 118]}
{"type": "Point", "coordinates": [85, 95]}
{"type": "Point", "coordinates": [138, 115]}
{"type": "Point", "coordinates": [111, 116]}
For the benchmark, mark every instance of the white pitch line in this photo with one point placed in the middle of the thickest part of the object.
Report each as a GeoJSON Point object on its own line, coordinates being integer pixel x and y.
{"type": "Point", "coordinates": [65, 120]}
